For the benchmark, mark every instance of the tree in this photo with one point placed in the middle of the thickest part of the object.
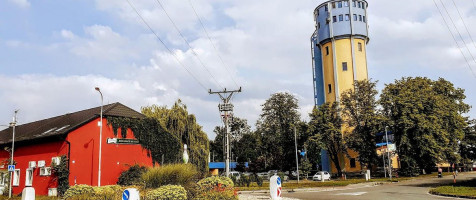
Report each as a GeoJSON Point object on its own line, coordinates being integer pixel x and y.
{"type": "Point", "coordinates": [184, 130]}
{"type": "Point", "coordinates": [326, 127]}
{"type": "Point", "coordinates": [426, 121]}
{"type": "Point", "coordinates": [276, 126]}
{"type": "Point", "coordinates": [468, 144]}
{"type": "Point", "coordinates": [359, 111]}
{"type": "Point", "coordinates": [238, 128]}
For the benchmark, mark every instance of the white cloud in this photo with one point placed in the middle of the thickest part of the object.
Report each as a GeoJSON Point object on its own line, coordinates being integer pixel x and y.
{"type": "Point", "coordinates": [21, 3]}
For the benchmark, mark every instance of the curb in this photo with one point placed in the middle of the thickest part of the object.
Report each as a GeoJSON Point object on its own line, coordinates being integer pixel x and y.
{"type": "Point", "coordinates": [451, 196]}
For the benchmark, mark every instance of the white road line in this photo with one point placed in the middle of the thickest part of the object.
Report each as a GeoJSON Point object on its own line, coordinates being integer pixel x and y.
{"type": "Point", "coordinates": [352, 193]}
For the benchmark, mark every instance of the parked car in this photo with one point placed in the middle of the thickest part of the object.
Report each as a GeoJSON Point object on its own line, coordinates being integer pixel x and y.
{"type": "Point", "coordinates": [317, 176]}
{"type": "Point", "coordinates": [236, 174]}
{"type": "Point", "coordinates": [263, 175]}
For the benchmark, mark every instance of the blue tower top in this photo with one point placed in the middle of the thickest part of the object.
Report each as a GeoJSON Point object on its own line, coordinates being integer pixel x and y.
{"type": "Point", "coordinates": [341, 19]}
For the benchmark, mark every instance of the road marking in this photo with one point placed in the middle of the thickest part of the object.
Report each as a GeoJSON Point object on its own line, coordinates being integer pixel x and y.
{"type": "Point", "coordinates": [352, 193]}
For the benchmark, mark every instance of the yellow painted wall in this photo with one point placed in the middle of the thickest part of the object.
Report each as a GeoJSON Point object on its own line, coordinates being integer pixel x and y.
{"type": "Point", "coordinates": [361, 59]}
{"type": "Point", "coordinates": [344, 54]}
{"type": "Point", "coordinates": [328, 66]}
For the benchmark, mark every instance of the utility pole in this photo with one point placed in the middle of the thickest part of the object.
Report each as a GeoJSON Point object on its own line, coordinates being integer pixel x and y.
{"type": "Point", "coordinates": [388, 155]}
{"type": "Point", "coordinates": [227, 109]}
{"type": "Point", "coordinates": [297, 162]}
{"type": "Point", "coordinates": [12, 124]}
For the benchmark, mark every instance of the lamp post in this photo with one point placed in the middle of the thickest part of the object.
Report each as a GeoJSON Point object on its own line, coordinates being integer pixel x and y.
{"type": "Point", "coordinates": [100, 138]}
{"type": "Point", "coordinates": [12, 124]}
{"type": "Point", "coordinates": [388, 155]}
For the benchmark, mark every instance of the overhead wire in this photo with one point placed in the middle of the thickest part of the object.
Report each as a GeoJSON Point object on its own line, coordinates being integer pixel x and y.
{"type": "Point", "coordinates": [454, 38]}
{"type": "Point", "coordinates": [466, 27]}
{"type": "Point", "coordinates": [213, 44]}
{"type": "Point", "coordinates": [168, 49]}
{"type": "Point", "coordinates": [190, 46]}
{"type": "Point", "coordinates": [459, 33]}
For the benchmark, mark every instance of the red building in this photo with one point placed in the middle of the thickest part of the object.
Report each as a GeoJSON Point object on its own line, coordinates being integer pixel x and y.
{"type": "Point", "coordinates": [76, 136]}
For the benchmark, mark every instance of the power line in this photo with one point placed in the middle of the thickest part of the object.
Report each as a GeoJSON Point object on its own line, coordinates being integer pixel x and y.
{"type": "Point", "coordinates": [209, 39]}
{"type": "Point", "coordinates": [454, 38]}
{"type": "Point", "coordinates": [163, 43]}
{"type": "Point", "coordinates": [459, 33]}
{"type": "Point", "coordinates": [190, 46]}
{"type": "Point", "coordinates": [466, 27]}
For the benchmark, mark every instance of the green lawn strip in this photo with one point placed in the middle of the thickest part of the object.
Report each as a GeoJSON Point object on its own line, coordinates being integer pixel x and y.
{"type": "Point", "coordinates": [458, 191]}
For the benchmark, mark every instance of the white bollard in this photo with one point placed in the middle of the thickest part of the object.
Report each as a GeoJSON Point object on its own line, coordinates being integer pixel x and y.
{"type": "Point", "coordinates": [322, 177]}
{"type": "Point", "coordinates": [275, 187]}
{"type": "Point", "coordinates": [130, 194]}
{"type": "Point", "coordinates": [28, 193]}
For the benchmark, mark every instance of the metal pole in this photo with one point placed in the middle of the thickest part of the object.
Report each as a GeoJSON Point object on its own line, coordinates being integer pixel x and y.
{"type": "Point", "coordinates": [13, 124]}
{"type": "Point", "coordinates": [388, 155]}
{"type": "Point", "coordinates": [297, 162]}
{"type": "Point", "coordinates": [227, 161]}
{"type": "Point", "coordinates": [384, 166]}
{"type": "Point", "coordinates": [100, 138]}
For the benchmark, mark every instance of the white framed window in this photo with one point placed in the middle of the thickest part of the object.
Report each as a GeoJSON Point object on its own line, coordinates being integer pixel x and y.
{"type": "Point", "coordinates": [16, 177]}
{"type": "Point", "coordinates": [3, 175]}
{"type": "Point", "coordinates": [41, 163]}
{"type": "Point", "coordinates": [29, 177]}
{"type": "Point", "coordinates": [32, 164]}
{"type": "Point", "coordinates": [55, 160]}
{"type": "Point", "coordinates": [52, 192]}
{"type": "Point", "coordinates": [45, 171]}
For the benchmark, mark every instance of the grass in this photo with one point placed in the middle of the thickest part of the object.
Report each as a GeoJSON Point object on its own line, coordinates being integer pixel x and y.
{"type": "Point", "coordinates": [460, 189]}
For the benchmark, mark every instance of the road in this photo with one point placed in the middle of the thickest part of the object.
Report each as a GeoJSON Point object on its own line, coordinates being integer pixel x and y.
{"type": "Point", "coordinates": [406, 190]}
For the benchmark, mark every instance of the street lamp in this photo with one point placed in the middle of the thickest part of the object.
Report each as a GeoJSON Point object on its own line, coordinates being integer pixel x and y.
{"type": "Point", "coordinates": [12, 124]}
{"type": "Point", "coordinates": [100, 137]}
{"type": "Point", "coordinates": [388, 155]}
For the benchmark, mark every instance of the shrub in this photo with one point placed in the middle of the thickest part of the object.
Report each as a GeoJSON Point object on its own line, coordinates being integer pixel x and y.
{"type": "Point", "coordinates": [258, 180]}
{"type": "Point", "coordinates": [172, 174]}
{"type": "Point", "coordinates": [211, 182]}
{"type": "Point", "coordinates": [167, 192]}
{"type": "Point", "coordinates": [219, 194]}
{"type": "Point", "coordinates": [244, 181]}
{"type": "Point", "coordinates": [78, 190]}
{"type": "Point", "coordinates": [216, 188]}
{"type": "Point", "coordinates": [132, 176]}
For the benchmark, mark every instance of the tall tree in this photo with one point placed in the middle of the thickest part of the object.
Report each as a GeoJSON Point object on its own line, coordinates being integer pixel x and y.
{"type": "Point", "coordinates": [426, 120]}
{"type": "Point", "coordinates": [468, 144]}
{"type": "Point", "coordinates": [238, 128]}
{"type": "Point", "coordinates": [185, 128]}
{"type": "Point", "coordinates": [326, 127]}
{"type": "Point", "coordinates": [360, 114]}
{"type": "Point", "coordinates": [276, 126]}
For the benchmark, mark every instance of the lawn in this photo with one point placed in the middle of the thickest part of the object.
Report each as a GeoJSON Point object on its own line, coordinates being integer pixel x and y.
{"type": "Point", "coordinates": [460, 189]}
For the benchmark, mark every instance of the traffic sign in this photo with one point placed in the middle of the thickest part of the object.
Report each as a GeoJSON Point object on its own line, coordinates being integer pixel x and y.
{"type": "Point", "coordinates": [11, 168]}
{"type": "Point", "coordinates": [125, 195]}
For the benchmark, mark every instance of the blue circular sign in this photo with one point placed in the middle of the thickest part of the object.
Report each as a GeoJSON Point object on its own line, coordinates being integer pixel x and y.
{"type": "Point", "coordinates": [125, 195]}
{"type": "Point", "coordinates": [278, 180]}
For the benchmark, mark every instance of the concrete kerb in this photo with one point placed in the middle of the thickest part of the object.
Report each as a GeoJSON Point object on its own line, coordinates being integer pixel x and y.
{"type": "Point", "coordinates": [317, 189]}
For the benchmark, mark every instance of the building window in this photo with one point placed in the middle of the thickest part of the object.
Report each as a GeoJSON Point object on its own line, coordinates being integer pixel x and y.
{"type": "Point", "coordinates": [333, 4]}
{"type": "Point", "coordinates": [318, 25]}
{"type": "Point", "coordinates": [329, 88]}
{"type": "Point", "coordinates": [45, 171]}
{"type": "Point", "coordinates": [363, 18]}
{"type": "Point", "coordinates": [339, 4]}
{"type": "Point", "coordinates": [363, 5]}
{"type": "Point", "coordinates": [334, 19]}
{"type": "Point", "coordinates": [3, 175]}
{"type": "Point", "coordinates": [341, 18]}
{"type": "Point", "coordinates": [347, 17]}
{"type": "Point", "coordinates": [16, 177]}
{"type": "Point", "coordinates": [318, 12]}
{"type": "Point", "coordinates": [325, 8]}
{"type": "Point", "coordinates": [355, 17]}
{"type": "Point", "coordinates": [355, 4]}
{"type": "Point", "coordinates": [359, 46]}
{"type": "Point", "coordinates": [360, 17]}
{"type": "Point", "coordinates": [344, 66]}
{"type": "Point", "coordinates": [359, 5]}
{"type": "Point", "coordinates": [327, 50]}
{"type": "Point", "coordinates": [29, 177]}
{"type": "Point", "coordinates": [352, 163]}
{"type": "Point", "coordinates": [346, 3]}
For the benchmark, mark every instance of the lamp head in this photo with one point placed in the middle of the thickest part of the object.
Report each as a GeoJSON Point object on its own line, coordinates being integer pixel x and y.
{"type": "Point", "coordinates": [97, 88]}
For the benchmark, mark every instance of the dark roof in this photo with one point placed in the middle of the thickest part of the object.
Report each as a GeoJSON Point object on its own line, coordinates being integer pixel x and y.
{"type": "Point", "coordinates": [63, 124]}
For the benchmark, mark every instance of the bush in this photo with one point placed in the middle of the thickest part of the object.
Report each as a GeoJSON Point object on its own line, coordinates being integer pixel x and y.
{"type": "Point", "coordinates": [244, 181]}
{"type": "Point", "coordinates": [109, 192]}
{"type": "Point", "coordinates": [216, 188]}
{"type": "Point", "coordinates": [258, 180]}
{"type": "Point", "coordinates": [172, 174]}
{"type": "Point", "coordinates": [78, 190]}
{"type": "Point", "coordinates": [167, 192]}
{"type": "Point", "coordinates": [132, 176]}
{"type": "Point", "coordinates": [211, 182]}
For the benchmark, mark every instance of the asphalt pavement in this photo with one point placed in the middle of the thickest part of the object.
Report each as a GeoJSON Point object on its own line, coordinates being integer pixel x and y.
{"type": "Point", "coordinates": [405, 190]}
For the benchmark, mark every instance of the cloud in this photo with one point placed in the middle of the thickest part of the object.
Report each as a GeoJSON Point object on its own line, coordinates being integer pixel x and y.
{"type": "Point", "coordinates": [21, 3]}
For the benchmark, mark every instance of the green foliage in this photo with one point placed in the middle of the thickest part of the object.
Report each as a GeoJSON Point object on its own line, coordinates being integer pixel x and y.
{"type": "Point", "coordinates": [280, 114]}
{"type": "Point", "coordinates": [171, 174]}
{"type": "Point", "coordinates": [258, 180]}
{"type": "Point", "coordinates": [132, 176]}
{"type": "Point", "coordinates": [210, 182]}
{"type": "Point", "coordinates": [167, 192]}
{"type": "Point", "coordinates": [359, 109]}
{"type": "Point", "coordinates": [426, 120]}
{"type": "Point", "coordinates": [469, 192]}
{"type": "Point", "coordinates": [61, 172]}
{"type": "Point", "coordinates": [218, 193]}
{"type": "Point", "coordinates": [78, 190]}
{"type": "Point", "coordinates": [239, 132]}
{"type": "Point", "coordinates": [216, 188]}
{"type": "Point", "coordinates": [179, 127]}
{"type": "Point", "coordinates": [468, 144]}
{"type": "Point", "coordinates": [325, 126]}
{"type": "Point", "coordinates": [243, 181]}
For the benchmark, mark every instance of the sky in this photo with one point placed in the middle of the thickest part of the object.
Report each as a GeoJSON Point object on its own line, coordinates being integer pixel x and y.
{"type": "Point", "coordinates": [54, 52]}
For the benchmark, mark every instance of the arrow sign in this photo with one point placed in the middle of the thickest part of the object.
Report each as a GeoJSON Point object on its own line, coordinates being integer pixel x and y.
{"type": "Point", "coordinates": [125, 195]}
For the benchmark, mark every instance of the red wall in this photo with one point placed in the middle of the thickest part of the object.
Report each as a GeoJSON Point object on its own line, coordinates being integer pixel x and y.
{"type": "Point", "coordinates": [84, 158]}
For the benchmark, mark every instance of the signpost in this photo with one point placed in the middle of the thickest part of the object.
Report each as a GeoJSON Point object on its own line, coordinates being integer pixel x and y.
{"type": "Point", "coordinates": [11, 168]}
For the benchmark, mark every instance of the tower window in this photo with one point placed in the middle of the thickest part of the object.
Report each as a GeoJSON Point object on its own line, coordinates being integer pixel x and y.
{"type": "Point", "coordinates": [358, 3]}
{"type": "Point", "coordinates": [346, 3]}
{"type": "Point", "coordinates": [327, 50]}
{"type": "Point", "coordinates": [355, 4]}
{"type": "Point", "coordinates": [341, 18]}
{"type": "Point", "coordinates": [363, 18]}
{"type": "Point", "coordinates": [333, 4]}
{"type": "Point", "coordinates": [363, 5]}
{"type": "Point", "coordinates": [329, 88]}
{"type": "Point", "coordinates": [334, 19]}
{"type": "Point", "coordinates": [360, 17]}
{"type": "Point", "coordinates": [326, 9]}
{"type": "Point", "coordinates": [347, 17]}
{"type": "Point", "coordinates": [352, 163]}
{"type": "Point", "coordinates": [339, 4]}
{"type": "Point", "coordinates": [318, 25]}
{"type": "Point", "coordinates": [359, 45]}
{"type": "Point", "coordinates": [344, 66]}
{"type": "Point", "coordinates": [355, 17]}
